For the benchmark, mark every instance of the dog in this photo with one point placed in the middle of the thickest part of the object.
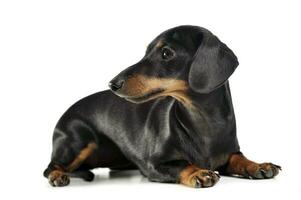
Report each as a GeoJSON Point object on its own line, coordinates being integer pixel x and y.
{"type": "Point", "coordinates": [170, 116]}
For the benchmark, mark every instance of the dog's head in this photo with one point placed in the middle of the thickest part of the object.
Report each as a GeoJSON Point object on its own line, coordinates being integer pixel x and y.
{"type": "Point", "coordinates": [181, 59]}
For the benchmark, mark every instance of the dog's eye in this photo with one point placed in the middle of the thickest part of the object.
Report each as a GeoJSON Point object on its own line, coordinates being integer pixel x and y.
{"type": "Point", "coordinates": [167, 53]}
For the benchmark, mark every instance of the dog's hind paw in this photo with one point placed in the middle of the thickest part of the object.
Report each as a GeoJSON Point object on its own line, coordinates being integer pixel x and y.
{"type": "Point", "coordinates": [262, 171]}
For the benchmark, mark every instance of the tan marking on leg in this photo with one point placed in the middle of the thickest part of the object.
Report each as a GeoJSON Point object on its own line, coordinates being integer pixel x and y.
{"type": "Point", "coordinates": [238, 164]}
{"type": "Point", "coordinates": [187, 174]}
{"type": "Point", "coordinates": [59, 168]}
{"type": "Point", "coordinates": [194, 176]}
{"type": "Point", "coordinates": [82, 156]}
{"type": "Point", "coordinates": [58, 178]}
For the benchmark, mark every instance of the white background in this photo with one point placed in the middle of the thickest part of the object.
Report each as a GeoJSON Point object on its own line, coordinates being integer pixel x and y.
{"type": "Point", "coordinates": [52, 53]}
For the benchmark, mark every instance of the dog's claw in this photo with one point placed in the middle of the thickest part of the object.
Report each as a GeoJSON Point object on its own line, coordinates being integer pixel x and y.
{"type": "Point", "coordinates": [198, 183]}
{"type": "Point", "coordinates": [263, 172]}
{"type": "Point", "coordinates": [278, 167]}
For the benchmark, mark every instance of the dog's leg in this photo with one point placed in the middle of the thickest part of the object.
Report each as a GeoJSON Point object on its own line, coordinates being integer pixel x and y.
{"type": "Point", "coordinates": [238, 164]}
{"type": "Point", "coordinates": [58, 174]}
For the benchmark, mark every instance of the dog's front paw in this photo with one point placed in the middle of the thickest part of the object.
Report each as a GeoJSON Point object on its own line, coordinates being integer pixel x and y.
{"type": "Point", "coordinates": [58, 178]}
{"type": "Point", "coordinates": [193, 176]}
{"type": "Point", "coordinates": [262, 171]}
{"type": "Point", "coordinates": [204, 178]}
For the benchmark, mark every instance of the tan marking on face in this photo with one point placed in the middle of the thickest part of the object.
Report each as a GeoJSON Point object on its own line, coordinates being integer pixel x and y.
{"type": "Point", "coordinates": [139, 86]}
{"type": "Point", "coordinates": [82, 156]}
{"type": "Point", "coordinates": [159, 44]}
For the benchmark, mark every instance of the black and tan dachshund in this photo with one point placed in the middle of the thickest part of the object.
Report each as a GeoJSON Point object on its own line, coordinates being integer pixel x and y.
{"type": "Point", "coordinates": [170, 116]}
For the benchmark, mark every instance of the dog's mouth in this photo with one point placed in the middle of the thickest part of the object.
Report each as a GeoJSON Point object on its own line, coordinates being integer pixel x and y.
{"type": "Point", "coordinates": [146, 97]}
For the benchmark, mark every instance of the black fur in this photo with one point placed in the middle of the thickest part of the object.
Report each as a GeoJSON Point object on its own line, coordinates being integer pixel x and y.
{"type": "Point", "coordinates": [161, 136]}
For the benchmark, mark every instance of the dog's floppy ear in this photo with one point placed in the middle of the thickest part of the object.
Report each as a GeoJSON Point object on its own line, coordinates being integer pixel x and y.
{"type": "Point", "coordinates": [213, 64]}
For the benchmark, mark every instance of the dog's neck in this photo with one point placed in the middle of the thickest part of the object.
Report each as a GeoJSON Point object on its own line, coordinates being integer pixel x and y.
{"type": "Point", "coordinates": [199, 108]}
{"type": "Point", "coordinates": [200, 124]}
{"type": "Point", "coordinates": [193, 124]}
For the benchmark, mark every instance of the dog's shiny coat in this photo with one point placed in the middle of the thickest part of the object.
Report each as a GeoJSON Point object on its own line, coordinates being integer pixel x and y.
{"type": "Point", "coordinates": [170, 116]}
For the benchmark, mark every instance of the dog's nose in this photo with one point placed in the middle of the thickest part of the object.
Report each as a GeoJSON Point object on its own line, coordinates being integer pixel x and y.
{"type": "Point", "coordinates": [116, 84]}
